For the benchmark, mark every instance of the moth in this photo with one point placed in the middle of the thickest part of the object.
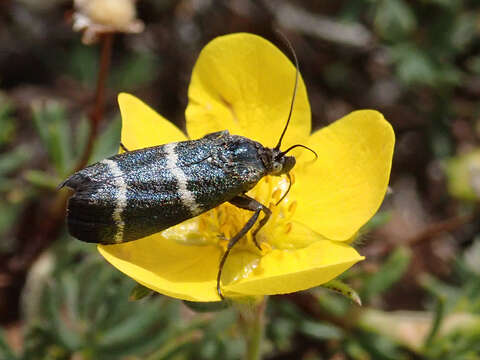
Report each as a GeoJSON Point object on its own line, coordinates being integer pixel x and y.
{"type": "Point", "coordinates": [138, 193]}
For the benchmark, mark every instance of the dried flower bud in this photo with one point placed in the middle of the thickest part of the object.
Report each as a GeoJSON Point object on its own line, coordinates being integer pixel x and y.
{"type": "Point", "coordinates": [96, 17]}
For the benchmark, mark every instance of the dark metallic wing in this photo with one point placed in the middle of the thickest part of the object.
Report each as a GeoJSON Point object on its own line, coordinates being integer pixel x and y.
{"type": "Point", "coordinates": [138, 193]}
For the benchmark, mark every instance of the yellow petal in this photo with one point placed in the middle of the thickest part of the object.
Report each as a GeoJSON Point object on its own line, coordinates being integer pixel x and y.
{"type": "Point", "coordinates": [172, 263]}
{"type": "Point", "coordinates": [185, 272]}
{"type": "Point", "coordinates": [286, 271]}
{"type": "Point", "coordinates": [343, 189]}
{"type": "Point", "coordinates": [189, 272]}
{"type": "Point", "coordinates": [143, 127]}
{"type": "Point", "coordinates": [243, 83]}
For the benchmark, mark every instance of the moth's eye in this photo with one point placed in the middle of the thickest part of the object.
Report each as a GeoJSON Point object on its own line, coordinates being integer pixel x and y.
{"type": "Point", "coordinates": [277, 167]}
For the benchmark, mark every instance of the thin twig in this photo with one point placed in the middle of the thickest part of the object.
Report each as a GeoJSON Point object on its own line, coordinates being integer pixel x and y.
{"type": "Point", "coordinates": [293, 17]}
{"type": "Point", "coordinates": [309, 304]}
{"type": "Point", "coordinates": [439, 228]}
{"type": "Point", "coordinates": [96, 114]}
{"type": "Point", "coordinates": [434, 230]}
{"type": "Point", "coordinates": [52, 223]}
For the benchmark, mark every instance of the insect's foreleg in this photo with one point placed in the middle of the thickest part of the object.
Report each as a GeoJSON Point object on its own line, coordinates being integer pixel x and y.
{"type": "Point", "coordinates": [124, 148]}
{"type": "Point", "coordinates": [248, 203]}
{"type": "Point", "coordinates": [232, 243]}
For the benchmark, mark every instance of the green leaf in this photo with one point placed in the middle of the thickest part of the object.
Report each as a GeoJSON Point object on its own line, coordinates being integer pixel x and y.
{"type": "Point", "coordinates": [41, 179]}
{"type": "Point", "coordinates": [321, 331]}
{"type": "Point", "coordinates": [9, 213]}
{"type": "Point", "coordinates": [108, 143]}
{"type": "Point", "coordinates": [461, 172]}
{"type": "Point", "coordinates": [448, 4]}
{"type": "Point", "coordinates": [136, 70]}
{"type": "Point", "coordinates": [5, 351]}
{"type": "Point", "coordinates": [83, 64]}
{"type": "Point", "coordinates": [7, 122]}
{"type": "Point", "coordinates": [413, 65]}
{"type": "Point", "coordinates": [281, 330]}
{"type": "Point", "coordinates": [175, 346]}
{"type": "Point", "coordinates": [355, 351]}
{"type": "Point", "coordinates": [54, 131]}
{"type": "Point", "coordinates": [464, 31]}
{"type": "Point", "coordinates": [438, 314]}
{"type": "Point", "coordinates": [378, 220]}
{"type": "Point", "coordinates": [139, 292]}
{"type": "Point", "coordinates": [15, 159]}
{"type": "Point", "coordinates": [219, 324]}
{"type": "Point", "coordinates": [473, 64]}
{"type": "Point", "coordinates": [341, 288]}
{"type": "Point", "coordinates": [378, 347]}
{"type": "Point", "coordinates": [439, 289]}
{"type": "Point", "coordinates": [65, 335]}
{"type": "Point", "coordinates": [131, 328]}
{"type": "Point", "coordinates": [94, 289]}
{"type": "Point", "coordinates": [390, 272]}
{"type": "Point", "coordinates": [82, 131]}
{"type": "Point", "coordinates": [207, 306]}
{"type": "Point", "coordinates": [71, 288]}
{"type": "Point", "coordinates": [394, 19]}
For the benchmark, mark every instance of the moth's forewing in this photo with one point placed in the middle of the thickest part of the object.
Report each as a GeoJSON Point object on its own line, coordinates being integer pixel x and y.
{"type": "Point", "coordinates": [142, 192]}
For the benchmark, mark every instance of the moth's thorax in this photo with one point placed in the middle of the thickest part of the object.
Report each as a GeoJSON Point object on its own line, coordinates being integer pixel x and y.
{"type": "Point", "coordinates": [244, 151]}
{"type": "Point", "coordinates": [241, 157]}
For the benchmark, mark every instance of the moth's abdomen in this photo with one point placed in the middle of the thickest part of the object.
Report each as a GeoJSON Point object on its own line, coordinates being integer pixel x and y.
{"type": "Point", "coordinates": [94, 212]}
{"type": "Point", "coordinates": [124, 198]}
{"type": "Point", "coordinates": [90, 222]}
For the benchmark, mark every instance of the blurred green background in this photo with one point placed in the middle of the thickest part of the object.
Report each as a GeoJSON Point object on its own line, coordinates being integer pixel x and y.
{"type": "Point", "coordinates": [418, 62]}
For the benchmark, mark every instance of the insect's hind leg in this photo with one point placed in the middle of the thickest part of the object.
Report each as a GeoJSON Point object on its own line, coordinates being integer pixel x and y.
{"type": "Point", "coordinates": [247, 203]}
{"type": "Point", "coordinates": [231, 244]}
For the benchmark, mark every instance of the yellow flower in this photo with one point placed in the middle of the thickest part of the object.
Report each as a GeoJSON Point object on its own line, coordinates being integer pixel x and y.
{"type": "Point", "coordinates": [243, 83]}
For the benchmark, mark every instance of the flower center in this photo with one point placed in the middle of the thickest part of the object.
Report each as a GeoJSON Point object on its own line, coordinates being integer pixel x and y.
{"type": "Point", "coordinates": [219, 225]}
{"type": "Point", "coordinates": [225, 221]}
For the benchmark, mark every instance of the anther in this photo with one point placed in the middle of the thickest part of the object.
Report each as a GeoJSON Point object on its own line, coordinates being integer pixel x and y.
{"type": "Point", "coordinates": [202, 225]}
{"type": "Point", "coordinates": [292, 207]}
{"type": "Point", "coordinates": [288, 228]}
{"type": "Point", "coordinates": [276, 194]}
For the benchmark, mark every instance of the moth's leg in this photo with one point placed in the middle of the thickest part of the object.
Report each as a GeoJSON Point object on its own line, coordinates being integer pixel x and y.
{"type": "Point", "coordinates": [232, 243]}
{"type": "Point", "coordinates": [248, 203]}
{"type": "Point", "coordinates": [124, 148]}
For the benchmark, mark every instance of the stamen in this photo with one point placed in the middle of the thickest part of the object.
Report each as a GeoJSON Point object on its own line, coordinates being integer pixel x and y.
{"type": "Point", "coordinates": [202, 224]}
{"type": "Point", "coordinates": [288, 228]}
{"type": "Point", "coordinates": [292, 207]}
{"type": "Point", "coordinates": [219, 225]}
{"type": "Point", "coordinates": [276, 195]}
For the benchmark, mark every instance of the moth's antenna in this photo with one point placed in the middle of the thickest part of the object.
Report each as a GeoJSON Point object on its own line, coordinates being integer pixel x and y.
{"type": "Point", "coordinates": [294, 89]}
{"type": "Point", "coordinates": [280, 155]}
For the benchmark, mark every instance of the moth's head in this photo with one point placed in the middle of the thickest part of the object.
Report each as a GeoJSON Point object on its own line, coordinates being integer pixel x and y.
{"type": "Point", "coordinates": [280, 164]}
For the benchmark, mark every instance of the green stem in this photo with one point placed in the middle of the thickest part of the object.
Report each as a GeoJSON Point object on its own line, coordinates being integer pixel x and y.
{"type": "Point", "coordinates": [253, 321]}
{"type": "Point", "coordinates": [438, 315]}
